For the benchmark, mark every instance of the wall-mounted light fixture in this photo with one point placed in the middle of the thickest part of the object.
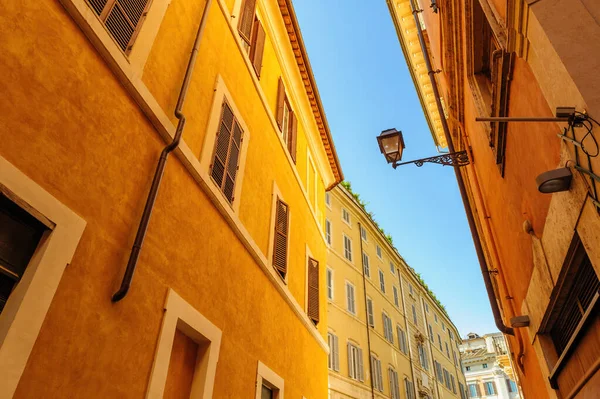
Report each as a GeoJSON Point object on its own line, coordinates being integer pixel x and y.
{"type": "Point", "coordinates": [391, 145]}
{"type": "Point", "coordinates": [554, 181]}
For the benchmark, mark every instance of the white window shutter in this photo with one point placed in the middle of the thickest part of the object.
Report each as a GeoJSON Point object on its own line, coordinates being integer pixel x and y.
{"type": "Point", "coordinates": [361, 376]}
{"type": "Point", "coordinates": [350, 368]}
{"type": "Point", "coordinates": [336, 354]}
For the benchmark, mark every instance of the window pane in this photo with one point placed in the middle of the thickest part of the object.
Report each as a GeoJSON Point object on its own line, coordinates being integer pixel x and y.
{"type": "Point", "coordinates": [267, 393]}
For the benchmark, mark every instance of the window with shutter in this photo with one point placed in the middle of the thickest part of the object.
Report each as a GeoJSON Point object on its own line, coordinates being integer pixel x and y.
{"type": "Point", "coordinates": [414, 313]}
{"type": "Point", "coordinates": [347, 248]}
{"type": "Point", "coordinates": [350, 304]}
{"type": "Point", "coordinates": [329, 283]}
{"type": "Point", "coordinates": [377, 376]}
{"type": "Point", "coordinates": [334, 357]}
{"type": "Point", "coordinates": [20, 234]}
{"type": "Point", "coordinates": [286, 120]}
{"type": "Point", "coordinates": [313, 290]}
{"type": "Point", "coordinates": [409, 388]}
{"type": "Point", "coordinates": [378, 250]}
{"type": "Point", "coordinates": [225, 162]}
{"type": "Point", "coordinates": [328, 231]}
{"type": "Point", "coordinates": [370, 317]}
{"type": "Point", "coordinates": [280, 245]}
{"type": "Point", "coordinates": [247, 20]}
{"type": "Point", "coordinates": [363, 233]}
{"type": "Point", "coordinates": [490, 388]}
{"type": "Point", "coordinates": [257, 46]}
{"type": "Point", "coordinates": [394, 387]}
{"type": "Point", "coordinates": [355, 362]}
{"type": "Point", "coordinates": [396, 299]}
{"type": "Point", "coordinates": [366, 266]}
{"type": "Point", "coordinates": [381, 281]}
{"type": "Point", "coordinates": [402, 340]}
{"type": "Point", "coordinates": [122, 19]}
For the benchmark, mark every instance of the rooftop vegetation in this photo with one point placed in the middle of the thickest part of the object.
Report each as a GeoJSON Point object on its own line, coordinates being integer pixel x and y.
{"type": "Point", "coordinates": [388, 237]}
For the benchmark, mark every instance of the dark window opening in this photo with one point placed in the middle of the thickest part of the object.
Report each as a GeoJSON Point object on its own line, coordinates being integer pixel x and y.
{"type": "Point", "coordinates": [20, 234]}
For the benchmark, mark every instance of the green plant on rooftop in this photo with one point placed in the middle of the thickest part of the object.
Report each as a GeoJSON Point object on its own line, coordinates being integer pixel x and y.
{"type": "Point", "coordinates": [346, 184]}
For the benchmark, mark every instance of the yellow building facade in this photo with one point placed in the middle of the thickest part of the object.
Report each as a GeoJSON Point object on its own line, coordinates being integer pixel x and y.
{"type": "Point", "coordinates": [225, 299]}
{"type": "Point", "coordinates": [388, 336]}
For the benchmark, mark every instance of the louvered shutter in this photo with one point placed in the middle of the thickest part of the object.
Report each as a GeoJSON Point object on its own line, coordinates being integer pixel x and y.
{"type": "Point", "coordinates": [257, 46]}
{"type": "Point", "coordinates": [361, 374]}
{"type": "Point", "coordinates": [494, 387]}
{"type": "Point", "coordinates": [478, 390]}
{"type": "Point", "coordinates": [293, 138]}
{"type": "Point", "coordinates": [227, 152]}
{"type": "Point", "coordinates": [350, 368]}
{"type": "Point", "coordinates": [313, 290]}
{"type": "Point", "coordinates": [122, 19]}
{"type": "Point", "coordinates": [281, 236]}
{"type": "Point", "coordinates": [336, 354]}
{"type": "Point", "coordinates": [246, 20]}
{"type": "Point", "coordinates": [280, 104]}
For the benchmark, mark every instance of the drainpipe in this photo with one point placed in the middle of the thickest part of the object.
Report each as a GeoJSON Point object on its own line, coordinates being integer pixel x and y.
{"type": "Point", "coordinates": [410, 354]}
{"type": "Point", "coordinates": [461, 185]}
{"type": "Point", "coordinates": [366, 310]}
{"type": "Point", "coordinates": [435, 380]}
{"type": "Point", "coordinates": [162, 162]}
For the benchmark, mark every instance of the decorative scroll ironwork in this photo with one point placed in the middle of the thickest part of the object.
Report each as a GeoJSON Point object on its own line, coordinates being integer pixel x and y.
{"type": "Point", "coordinates": [459, 158]}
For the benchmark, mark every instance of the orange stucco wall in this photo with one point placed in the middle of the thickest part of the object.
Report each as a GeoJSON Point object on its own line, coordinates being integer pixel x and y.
{"type": "Point", "coordinates": [69, 125]}
{"type": "Point", "coordinates": [531, 149]}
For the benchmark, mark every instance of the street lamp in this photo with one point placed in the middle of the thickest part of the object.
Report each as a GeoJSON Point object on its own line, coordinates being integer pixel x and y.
{"type": "Point", "coordinates": [391, 145]}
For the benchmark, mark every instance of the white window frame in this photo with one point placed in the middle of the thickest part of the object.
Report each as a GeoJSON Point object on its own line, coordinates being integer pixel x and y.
{"type": "Point", "coordinates": [344, 213]}
{"type": "Point", "coordinates": [266, 376]}
{"type": "Point", "coordinates": [355, 371]}
{"type": "Point", "coordinates": [353, 310]}
{"type": "Point", "coordinates": [392, 268]}
{"type": "Point", "coordinates": [396, 296]}
{"type": "Point", "coordinates": [377, 374]}
{"type": "Point", "coordinates": [366, 264]}
{"type": "Point", "coordinates": [381, 281]}
{"type": "Point", "coordinates": [328, 199]}
{"type": "Point", "coordinates": [276, 195]}
{"type": "Point", "coordinates": [349, 249]}
{"type": "Point", "coordinates": [402, 344]}
{"type": "Point", "coordinates": [394, 383]}
{"type": "Point", "coordinates": [330, 283]}
{"type": "Point", "coordinates": [90, 24]}
{"type": "Point", "coordinates": [411, 290]}
{"type": "Point", "coordinates": [328, 234]}
{"type": "Point", "coordinates": [182, 316]}
{"type": "Point", "coordinates": [333, 359]}
{"type": "Point", "coordinates": [414, 314]}
{"type": "Point", "coordinates": [222, 93]}
{"type": "Point", "coordinates": [27, 306]}
{"type": "Point", "coordinates": [379, 251]}
{"type": "Point", "coordinates": [363, 234]}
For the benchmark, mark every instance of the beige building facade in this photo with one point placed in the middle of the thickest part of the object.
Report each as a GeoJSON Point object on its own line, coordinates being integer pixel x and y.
{"type": "Point", "coordinates": [387, 335]}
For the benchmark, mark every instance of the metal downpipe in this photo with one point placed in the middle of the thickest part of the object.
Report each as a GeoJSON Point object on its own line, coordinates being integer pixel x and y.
{"type": "Point", "coordinates": [366, 311]}
{"type": "Point", "coordinates": [160, 167]}
{"type": "Point", "coordinates": [461, 185]}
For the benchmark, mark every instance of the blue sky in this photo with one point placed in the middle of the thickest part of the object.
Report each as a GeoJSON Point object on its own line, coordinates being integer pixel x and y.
{"type": "Point", "coordinates": [366, 88]}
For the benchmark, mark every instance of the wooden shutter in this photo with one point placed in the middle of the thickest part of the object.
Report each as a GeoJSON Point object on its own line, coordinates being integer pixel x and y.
{"type": "Point", "coordinates": [122, 19]}
{"type": "Point", "coordinates": [257, 46]}
{"type": "Point", "coordinates": [280, 104]}
{"type": "Point", "coordinates": [227, 152]}
{"type": "Point", "coordinates": [293, 132]}
{"type": "Point", "coordinates": [281, 235]}
{"type": "Point", "coordinates": [246, 20]}
{"type": "Point", "coordinates": [313, 290]}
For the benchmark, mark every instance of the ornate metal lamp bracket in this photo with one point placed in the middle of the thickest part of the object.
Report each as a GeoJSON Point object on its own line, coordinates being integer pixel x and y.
{"type": "Point", "coordinates": [457, 159]}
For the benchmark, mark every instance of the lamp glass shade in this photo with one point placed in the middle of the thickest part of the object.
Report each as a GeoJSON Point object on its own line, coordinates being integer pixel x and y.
{"type": "Point", "coordinates": [391, 145]}
{"type": "Point", "coordinates": [554, 181]}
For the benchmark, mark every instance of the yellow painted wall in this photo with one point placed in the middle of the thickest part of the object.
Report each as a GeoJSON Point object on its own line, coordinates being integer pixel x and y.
{"type": "Point", "coordinates": [348, 327]}
{"type": "Point", "coordinates": [71, 127]}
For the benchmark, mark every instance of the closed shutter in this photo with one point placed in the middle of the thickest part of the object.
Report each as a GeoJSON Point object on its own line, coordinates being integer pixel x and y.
{"type": "Point", "coordinates": [336, 354]}
{"type": "Point", "coordinates": [281, 238]}
{"type": "Point", "coordinates": [292, 139]}
{"type": "Point", "coordinates": [478, 390]}
{"type": "Point", "coordinates": [246, 20]}
{"type": "Point", "coordinates": [313, 290]}
{"type": "Point", "coordinates": [351, 366]}
{"type": "Point", "coordinates": [258, 46]}
{"type": "Point", "coordinates": [280, 104]}
{"type": "Point", "coordinates": [361, 374]}
{"type": "Point", "coordinates": [227, 152]}
{"type": "Point", "coordinates": [122, 19]}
